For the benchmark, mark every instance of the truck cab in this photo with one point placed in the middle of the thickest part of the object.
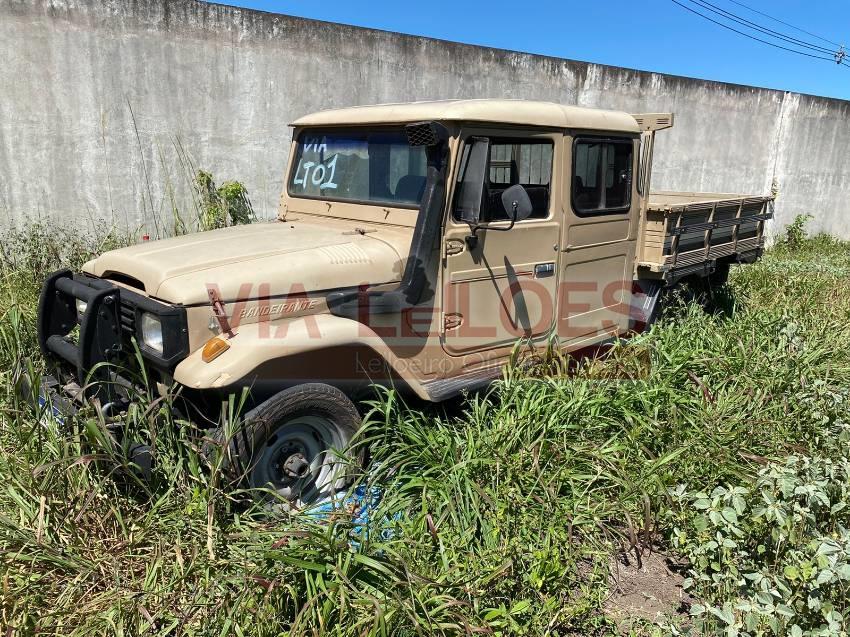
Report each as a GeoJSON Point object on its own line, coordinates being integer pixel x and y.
{"type": "Point", "coordinates": [416, 245]}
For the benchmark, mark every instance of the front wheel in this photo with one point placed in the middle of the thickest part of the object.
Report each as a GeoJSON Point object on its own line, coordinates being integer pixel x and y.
{"type": "Point", "coordinates": [292, 445]}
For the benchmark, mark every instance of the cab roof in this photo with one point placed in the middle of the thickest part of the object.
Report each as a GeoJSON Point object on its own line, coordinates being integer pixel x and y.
{"type": "Point", "coordinates": [521, 112]}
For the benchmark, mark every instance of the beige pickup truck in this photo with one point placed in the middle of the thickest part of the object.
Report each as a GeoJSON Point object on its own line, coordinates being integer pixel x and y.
{"type": "Point", "coordinates": [415, 245]}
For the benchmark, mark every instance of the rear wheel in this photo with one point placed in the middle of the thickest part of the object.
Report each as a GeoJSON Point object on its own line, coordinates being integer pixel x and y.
{"type": "Point", "coordinates": [719, 277]}
{"type": "Point", "coordinates": [293, 446]}
{"type": "Point", "coordinates": [710, 288]}
{"type": "Point", "coordinates": [709, 291]}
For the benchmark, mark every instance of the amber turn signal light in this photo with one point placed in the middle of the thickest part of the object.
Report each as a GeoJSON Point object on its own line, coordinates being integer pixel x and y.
{"type": "Point", "coordinates": [214, 348]}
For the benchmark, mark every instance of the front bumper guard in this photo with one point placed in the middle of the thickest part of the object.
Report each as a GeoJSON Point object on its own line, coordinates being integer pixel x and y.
{"type": "Point", "coordinates": [106, 330]}
{"type": "Point", "coordinates": [99, 342]}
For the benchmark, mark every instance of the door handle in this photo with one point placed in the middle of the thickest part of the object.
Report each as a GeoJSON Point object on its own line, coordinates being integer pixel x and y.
{"type": "Point", "coordinates": [542, 270]}
{"type": "Point", "coordinates": [454, 246]}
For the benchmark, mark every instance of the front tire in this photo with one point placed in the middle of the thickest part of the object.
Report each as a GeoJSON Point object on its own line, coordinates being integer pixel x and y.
{"type": "Point", "coordinates": [292, 446]}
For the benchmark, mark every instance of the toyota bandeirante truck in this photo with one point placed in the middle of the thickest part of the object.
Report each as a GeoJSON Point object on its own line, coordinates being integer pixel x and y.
{"type": "Point", "coordinates": [416, 244]}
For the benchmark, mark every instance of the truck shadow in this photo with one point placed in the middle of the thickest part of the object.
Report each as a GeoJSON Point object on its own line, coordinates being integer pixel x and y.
{"type": "Point", "coordinates": [722, 301]}
{"type": "Point", "coordinates": [716, 301]}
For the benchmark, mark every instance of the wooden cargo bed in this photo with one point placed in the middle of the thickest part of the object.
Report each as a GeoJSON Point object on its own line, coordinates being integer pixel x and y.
{"type": "Point", "coordinates": [689, 232]}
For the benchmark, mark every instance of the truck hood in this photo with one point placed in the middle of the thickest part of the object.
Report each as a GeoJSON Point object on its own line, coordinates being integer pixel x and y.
{"type": "Point", "coordinates": [260, 260]}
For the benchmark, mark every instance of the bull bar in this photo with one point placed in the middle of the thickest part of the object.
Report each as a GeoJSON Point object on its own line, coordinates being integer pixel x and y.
{"type": "Point", "coordinates": [107, 328]}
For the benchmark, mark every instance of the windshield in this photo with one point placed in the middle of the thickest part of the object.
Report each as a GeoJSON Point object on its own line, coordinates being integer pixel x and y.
{"type": "Point", "coordinates": [363, 166]}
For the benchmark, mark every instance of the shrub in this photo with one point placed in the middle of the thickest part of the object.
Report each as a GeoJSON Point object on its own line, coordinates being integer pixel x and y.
{"type": "Point", "coordinates": [795, 233]}
{"type": "Point", "coordinates": [773, 556]}
{"type": "Point", "coordinates": [225, 205]}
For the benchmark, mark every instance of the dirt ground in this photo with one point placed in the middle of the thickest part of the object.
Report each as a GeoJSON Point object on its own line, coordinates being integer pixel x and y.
{"type": "Point", "coordinates": [645, 592]}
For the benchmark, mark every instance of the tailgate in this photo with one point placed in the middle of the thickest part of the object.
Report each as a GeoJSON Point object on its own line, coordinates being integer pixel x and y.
{"type": "Point", "coordinates": [685, 232]}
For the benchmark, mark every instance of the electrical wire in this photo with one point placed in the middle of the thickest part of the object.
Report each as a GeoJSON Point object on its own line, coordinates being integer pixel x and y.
{"type": "Point", "coordinates": [770, 17]}
{"type": "Point", "coordinates": [752, 25]}
{"type": "Point", "coordinates": [752, 37]}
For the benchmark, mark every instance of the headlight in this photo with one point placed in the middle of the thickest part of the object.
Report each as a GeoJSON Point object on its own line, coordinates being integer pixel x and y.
{"type": "Point", "coordinates": [152, 332]}
{"type": "Point", "coordinates": [81, 307]}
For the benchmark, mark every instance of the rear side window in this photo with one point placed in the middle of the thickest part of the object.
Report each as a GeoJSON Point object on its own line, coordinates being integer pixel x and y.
{"type": "Point", "coordinates": [602, 175]}
{"type": "Point", "coordinates": [516, 161]}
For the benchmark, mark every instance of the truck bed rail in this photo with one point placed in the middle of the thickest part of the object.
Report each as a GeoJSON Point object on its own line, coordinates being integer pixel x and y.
{"type": "Point", "coordinates": [686, 233]}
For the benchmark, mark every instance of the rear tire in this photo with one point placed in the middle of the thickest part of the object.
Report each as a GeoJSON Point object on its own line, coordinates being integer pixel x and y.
{"type": "Point", "coordinates": [719, 277]}
{"type": "Point", "coordinates": [292, 446]}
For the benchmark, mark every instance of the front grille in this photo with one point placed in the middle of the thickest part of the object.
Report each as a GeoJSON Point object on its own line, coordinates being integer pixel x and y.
{"type": "Point", "coordinates": [128, 320]}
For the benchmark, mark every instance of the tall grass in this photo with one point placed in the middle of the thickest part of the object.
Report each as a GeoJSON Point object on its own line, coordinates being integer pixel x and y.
{"type": "Point", "coordinates": [497, 515]}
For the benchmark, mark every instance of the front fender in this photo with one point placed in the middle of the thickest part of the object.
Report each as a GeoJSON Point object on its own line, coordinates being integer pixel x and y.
{"type": "Point", "coordinates": [256, 346]}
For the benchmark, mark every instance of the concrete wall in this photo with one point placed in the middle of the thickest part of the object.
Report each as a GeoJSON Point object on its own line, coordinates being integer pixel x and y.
{"type": "Point", "coordinates": [107, 107]}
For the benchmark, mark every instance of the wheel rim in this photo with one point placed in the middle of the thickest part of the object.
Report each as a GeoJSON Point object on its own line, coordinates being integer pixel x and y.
{"type": "Point", "coordinates": [300, 461]}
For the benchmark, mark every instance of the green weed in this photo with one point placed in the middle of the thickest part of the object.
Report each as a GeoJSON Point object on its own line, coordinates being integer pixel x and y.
{"type": "Point", "coordinates": [499, 515]}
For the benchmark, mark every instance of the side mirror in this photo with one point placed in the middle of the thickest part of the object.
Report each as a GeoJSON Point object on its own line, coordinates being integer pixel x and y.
{"type": "Point", "coordinates": [473, 169]}
{"type": "Point", "coordinates": [517, 203]}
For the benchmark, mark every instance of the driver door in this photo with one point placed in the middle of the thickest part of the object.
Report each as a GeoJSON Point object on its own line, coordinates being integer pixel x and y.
{"type": "Point", "coordinates": [501, 287]}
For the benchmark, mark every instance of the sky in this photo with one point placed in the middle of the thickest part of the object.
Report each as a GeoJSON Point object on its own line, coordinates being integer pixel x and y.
{"type": "Point", "coordinates": [652, 35]}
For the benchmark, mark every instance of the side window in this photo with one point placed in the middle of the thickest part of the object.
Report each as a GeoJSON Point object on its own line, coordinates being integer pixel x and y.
{"type": "Point", "coordinates": [602, 175]}
{"type": "Point", "coordinates": [516, 161]}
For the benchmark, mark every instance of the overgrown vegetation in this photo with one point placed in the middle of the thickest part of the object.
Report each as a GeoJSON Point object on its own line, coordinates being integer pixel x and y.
{"type": "Point", "coordinates": [225, 205]}
{"type": "Point", "coordinates": [720, 439]}
{"type": "Point", "coordinates": [795, 233]}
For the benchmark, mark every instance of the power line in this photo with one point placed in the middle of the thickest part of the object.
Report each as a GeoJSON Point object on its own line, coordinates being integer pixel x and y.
{"type": "Point", "coordinates": [753, 25]}
{"type": "Point", "coordinates": [770, 17]}
{"type": "Point", "coordinates": [749, 35]}
{"type": "Point", "coordinates": [752, 37]}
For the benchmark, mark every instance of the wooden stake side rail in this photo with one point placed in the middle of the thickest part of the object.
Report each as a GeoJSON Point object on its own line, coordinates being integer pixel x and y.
{"type": "Point", "coordinates": [686, 233]}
